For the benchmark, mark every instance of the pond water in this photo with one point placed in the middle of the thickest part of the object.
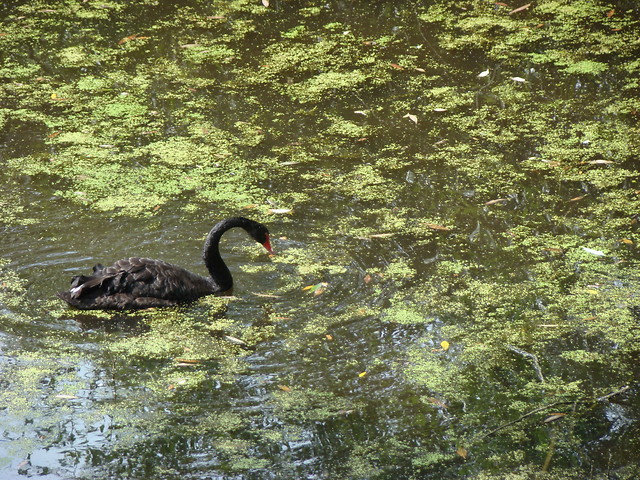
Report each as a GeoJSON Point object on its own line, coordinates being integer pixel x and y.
{"type": "Point", "coordinates": [452, 194]}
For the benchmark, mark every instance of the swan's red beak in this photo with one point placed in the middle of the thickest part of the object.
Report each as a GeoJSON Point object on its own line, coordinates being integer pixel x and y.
{"type": "Point", "coordinates": [267, 245]}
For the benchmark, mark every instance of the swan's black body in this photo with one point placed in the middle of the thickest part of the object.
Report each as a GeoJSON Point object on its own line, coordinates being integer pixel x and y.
{"type": "Point", "coordinates": [134, 283]}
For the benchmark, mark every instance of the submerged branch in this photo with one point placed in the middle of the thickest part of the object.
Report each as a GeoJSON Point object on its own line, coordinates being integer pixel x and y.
{"type": "Point", "coordinates": [546, 407]}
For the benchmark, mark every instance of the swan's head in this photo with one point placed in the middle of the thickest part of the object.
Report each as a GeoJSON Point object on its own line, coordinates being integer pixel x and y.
{"type": "Point", "coordinates": [261, 235]}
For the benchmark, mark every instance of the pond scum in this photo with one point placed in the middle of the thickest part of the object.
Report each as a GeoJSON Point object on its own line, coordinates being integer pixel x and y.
{"type": "Point", "coordinates": [453, 172]}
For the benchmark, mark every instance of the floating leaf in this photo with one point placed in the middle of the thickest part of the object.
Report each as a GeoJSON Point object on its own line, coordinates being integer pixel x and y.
{"type": "Point", "coordinates": [128, 39]}
{"type": "Point", "coordinates": [187, 361]}
{"type": "Point", "coordinates": [626, 241]}
{"type": "Point", "coordinates": [462, 452]}
{"type": "Point", "coordinates": [597, 253]}
{"type": "Point", "coordinates": [360, 112]}
{"type": "Point", "coordinates": [575, 199]}
{"type": "Point", "coordinates": [411, 117]}
{"type": "Point", "coordinates": [497, 200]}
{"type": "Point", "coordinates": [396, 66]}
{"type": "Point", "coordinates": [518, 79]}
{"type": "Point", "coordinates": [519, 9]}
{"type": "Point", "coordinates": [284, 388]}
{"type": "Point", "coordinates": [437, 402]}
{"type": "Point", "coordinates": [265, 295]}
{"type": "Point", "coordinates": [328, 337]}
{"type": "Point", "coordinates": [381, 235]}
{"type": "Point", "coordinates": [362, 374]}
{"type": "Point", "coordinates": [553, 417]}
{"type": "Point", "coordinates": [66, 397]}
{"type": "Point", "coordinates": [439, 109]}
{"type": "Point", "coordinates": [234, 340]}
{"type": "Point", "coordinates": [280, 210]}
{"type": "Point", "coordinates": [445, 345]}
{"type": "Point", "coordinates": [316, 289]}
{"type": "Point", "coordinates": [421, 70]}
{"type": "Point", "coordinates": [265, 3]}
{"type": "Point", "coordinates": [600, 162]}
{"type": "Point", "coordinates": [483, 74]}
{"type": "Point", "coordinates": [367, 278]}
{"type": "Point", "coordinates": [434, 226]}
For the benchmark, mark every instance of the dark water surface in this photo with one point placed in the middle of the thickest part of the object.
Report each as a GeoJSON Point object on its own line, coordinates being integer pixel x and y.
{"type": "Point", "coordinates": [400, 235]}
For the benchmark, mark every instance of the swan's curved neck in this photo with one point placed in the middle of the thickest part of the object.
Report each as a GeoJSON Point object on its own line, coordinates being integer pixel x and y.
{"type": "Point", "coordinates": [211, 253]}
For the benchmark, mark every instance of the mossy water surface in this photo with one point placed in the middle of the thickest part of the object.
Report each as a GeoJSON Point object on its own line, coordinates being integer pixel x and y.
{"type": "Point", "coordinates": [450, 173]}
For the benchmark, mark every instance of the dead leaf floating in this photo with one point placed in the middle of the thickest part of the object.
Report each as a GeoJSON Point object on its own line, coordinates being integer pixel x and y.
{"type": "Point", "coordinates": [434, 226]}
{"type": "Point", "coordinates": [518, 79]}
{"type": "Point", "coordinates": [411, 117]}
{"type": "Point", "coordinates": [437, 402]}
{"type": "Point", "coordinates": [265, 3]}
{"type": "Point", "coordinates": [484, 74]}
{"type": "Point", "coordinates": [497, 200]}
{"type": "Point", "coordinates": [520, 9]}
{"type": "Point", "coordinates": [135, 36]}
{"type": "Point", "coordinates": [234, 340]}
{"type": "Point", "coordinates": [597, 253]}
{"type": "Point", "coordinates": [462, 452]}
{"type": "Point", "coordinates": [317, 289]}
{"type": "Point", "coordinates": [553, 417]}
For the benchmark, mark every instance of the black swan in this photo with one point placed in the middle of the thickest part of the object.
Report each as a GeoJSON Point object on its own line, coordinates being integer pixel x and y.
{"type": "Point", "coordinates": [135, 283]}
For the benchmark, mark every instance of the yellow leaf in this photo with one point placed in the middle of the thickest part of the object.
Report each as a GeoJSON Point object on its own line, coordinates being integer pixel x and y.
{"type": "Point", "coordinates": [445, 345]}
{"type": "Point", "coordinates": [284, 388]}
{"type": "Point", "coordinates": [328, 337]}
{"type": "Point", "coordinates": [462, 452]}
{"type": "Point", "coordinates": [362, 374]}
{"type": "Point", "coordinates": [54, 96]}
{"type": "Point", "coordinates": [316, 289]}
{"type": "Point", "coordinates": [434, 226]}
{"type": "Point", "coordinates": [553, 417]}
{"type": "Point", "coordinates": [187, 361]}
